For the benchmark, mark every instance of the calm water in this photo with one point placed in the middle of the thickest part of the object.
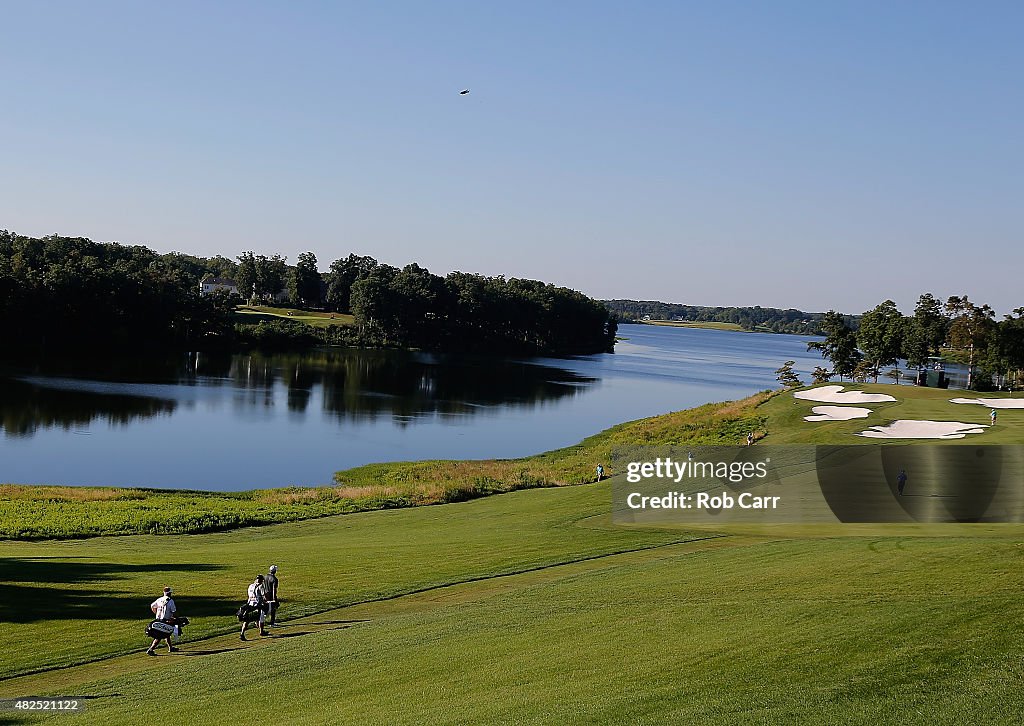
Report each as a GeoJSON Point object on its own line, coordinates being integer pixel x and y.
{"type": "Point", "coordinates": [253, 420]}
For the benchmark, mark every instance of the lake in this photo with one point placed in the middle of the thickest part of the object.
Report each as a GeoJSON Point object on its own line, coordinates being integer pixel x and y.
{"type": "Point", "coordinates": [252, 420]}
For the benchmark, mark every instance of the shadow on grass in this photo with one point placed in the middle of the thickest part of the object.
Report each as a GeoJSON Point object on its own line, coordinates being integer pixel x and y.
{"type": "Point", "coordinates": [340, 622]}
{"type": "Point", "coordinates": [72, 570]}
{"type": "Point", "coordinates": [34, 589]}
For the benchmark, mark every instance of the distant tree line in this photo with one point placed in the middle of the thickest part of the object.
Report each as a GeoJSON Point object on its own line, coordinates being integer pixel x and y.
{"type": "Point", "coordinates": [64, 292]}
{"type": "Point", "coordinates": [772, 320]}
{"type": "Point", "coordinates": [69, 292]}
{"type": "Point", "coordinates": [957, 330]}
{"type": "Point", "coordinates": [412, 307]}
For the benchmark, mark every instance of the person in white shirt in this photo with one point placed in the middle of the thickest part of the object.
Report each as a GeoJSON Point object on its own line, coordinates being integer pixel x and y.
{"type": "Point", "coordinates": [164, 609]}
{"type": "Point", "coordinates": [257, 599]}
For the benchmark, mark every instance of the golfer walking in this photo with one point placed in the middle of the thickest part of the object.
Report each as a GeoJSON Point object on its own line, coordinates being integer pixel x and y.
{"type": "Point", "coordinates": [270, 585]}
{"type": "Point", "coordinates": [901, 481]}
{"type": "Point", "coordinates": [164, 609]}
{"type": "Point", "coordinates": [257, 600]}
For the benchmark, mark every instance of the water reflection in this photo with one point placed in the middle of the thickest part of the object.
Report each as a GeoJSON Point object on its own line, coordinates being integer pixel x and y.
{"type": "Point", "coordinates": [25, 408]}
{"type": "Point", "coordinates": [349, 385]}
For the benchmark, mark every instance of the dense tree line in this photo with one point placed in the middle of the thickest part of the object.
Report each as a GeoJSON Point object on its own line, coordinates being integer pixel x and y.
{"type": "Point", "coordinates": [70, 292]}
{"type": "Point", "coordinates": [66, 292]}
{"type": "Point", "coordinates": [957, 330]}
{"type": "Point", "coordinates": [749, 318]}
{"type": "Point", "coordinates": [412, 307]}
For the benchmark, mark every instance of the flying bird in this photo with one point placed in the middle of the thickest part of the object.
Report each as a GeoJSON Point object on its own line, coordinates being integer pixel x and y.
{"type": "Point", "coordinates": [464, 92]}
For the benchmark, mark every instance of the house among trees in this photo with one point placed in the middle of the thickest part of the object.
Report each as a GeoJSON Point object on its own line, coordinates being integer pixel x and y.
{"type": "Point", "coordinates": [210, 285]}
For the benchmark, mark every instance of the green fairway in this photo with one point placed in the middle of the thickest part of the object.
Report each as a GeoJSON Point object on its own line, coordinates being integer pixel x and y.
{"type": "Point", "coordinates": [256, 313]}
{"type": "Point", "coordinates": [733, 629]}
{"type": "Point", "coordinates": [51, 591]}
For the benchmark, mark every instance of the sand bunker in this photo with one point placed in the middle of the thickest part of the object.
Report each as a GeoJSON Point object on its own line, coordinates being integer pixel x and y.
{"type": "Point", "coordinates": [992, 402]}
{"type": "Point", "coordinates": [834, 394]}
{"type": "Point", "coordinates": [837, 413]}
{"type": "Point", "coordinates": [905, 429]}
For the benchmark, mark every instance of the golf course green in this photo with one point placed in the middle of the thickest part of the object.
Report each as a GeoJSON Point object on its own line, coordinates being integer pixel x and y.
{"type": "Point", "coordinates": [532, 607]}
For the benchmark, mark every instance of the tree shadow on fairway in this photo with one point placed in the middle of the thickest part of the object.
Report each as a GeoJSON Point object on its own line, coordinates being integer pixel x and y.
{"type": "Point", "coordinates": [35, 589]}
{"type": "Point", "coordinates": [275, 636]}
{"type": "Point", "coordinates": [74, 570]}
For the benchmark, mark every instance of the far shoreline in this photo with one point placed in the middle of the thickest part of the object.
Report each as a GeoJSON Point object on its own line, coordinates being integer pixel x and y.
{"type": "Point", "coordinates": [712, 325]}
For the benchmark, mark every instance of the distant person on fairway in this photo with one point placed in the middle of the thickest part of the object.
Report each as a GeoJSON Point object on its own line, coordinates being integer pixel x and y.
{"type": "Point", "coordinates": [600, 472]}
{"type": "Point", "coordinates": [992, 416]}
{"type": "Point", "coordinates": [257, 600]}
{"type": "Point", "coordinates": [270, 585]}
{"type": "Point", "coordinates": [901, 481]}
{"type": "Point", "coordinates": [750, 438]}
{"type": "Point", "coordinates": [164, 609]}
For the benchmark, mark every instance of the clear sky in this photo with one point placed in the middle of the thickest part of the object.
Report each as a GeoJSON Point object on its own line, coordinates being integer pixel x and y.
{"type": "Point", "coordinates": [791, 154]}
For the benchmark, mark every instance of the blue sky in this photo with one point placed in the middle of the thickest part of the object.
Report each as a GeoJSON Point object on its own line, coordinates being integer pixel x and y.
{"type": "Point", "coordinates": [791, 154]}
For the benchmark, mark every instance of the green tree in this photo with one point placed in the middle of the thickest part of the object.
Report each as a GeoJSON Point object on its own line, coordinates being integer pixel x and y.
{"type": "Point", "coordinates": [971, 328]}
{"type": "Point", "coordinates": [1011, 341]}
{"type": "Point", "coordinates": [839, 346]}
{"type": "Point", "coordinates": [342, 276]}
{"type": "Point", "coordinates": [787, 376]}
{"type": "Point", "coordinates": [271, 274]}
{"type": "Point", "coordinates": [304, 281]}
{"type": "Point", "coordinates": [821, 375]}
{"type": "Point", "coordinates": [245, 276]}
{"type": "Point", "coordinates": [880, 335]}
{"type": "Point", "coordinates": [925, 331]}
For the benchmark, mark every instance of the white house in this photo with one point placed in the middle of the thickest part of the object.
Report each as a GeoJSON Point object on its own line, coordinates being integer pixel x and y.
{"type": "Point", "coordinates": [210, 285]}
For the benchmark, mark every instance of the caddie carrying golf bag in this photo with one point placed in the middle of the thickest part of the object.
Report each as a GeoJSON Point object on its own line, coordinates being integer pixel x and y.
{"type": "Point", "coordinates": [166, 628]}
{"type": "Point", "coordinates": [250, 613]}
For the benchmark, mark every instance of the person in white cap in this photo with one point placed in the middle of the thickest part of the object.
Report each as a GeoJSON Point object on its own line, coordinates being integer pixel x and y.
{"type": "Point", "coordinates": [270, 584]}
{"type": "Point", "coordinates": [164, 609]}
{"type": "Point", "coordinates": [257, 601]}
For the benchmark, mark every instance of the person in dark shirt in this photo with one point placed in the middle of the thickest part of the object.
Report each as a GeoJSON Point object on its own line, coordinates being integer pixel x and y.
{"type": "Point", "coordinates": [901, 481]}
{"type": "Point", "coordinates": [270, 584]}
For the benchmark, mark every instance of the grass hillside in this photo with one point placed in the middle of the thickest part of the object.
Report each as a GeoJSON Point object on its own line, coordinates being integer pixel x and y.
{"type": "Point", "coordinates": [256, 313]}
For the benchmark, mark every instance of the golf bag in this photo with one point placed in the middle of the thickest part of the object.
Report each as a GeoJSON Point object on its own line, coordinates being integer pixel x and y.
{"type": "Point", "coordinates": [165, 628]}
{"type": "Point", "coordinates": [251, 613]}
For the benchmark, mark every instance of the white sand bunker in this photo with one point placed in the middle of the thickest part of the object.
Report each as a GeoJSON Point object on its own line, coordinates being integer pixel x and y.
{"type": "Point", "coordinates": [905, 429]}
{"type": "Point", "coordinates": [992, 402]}
{"type": "Point", "coordinates": [834, 394]}
{"type": "Point", "coordinates": [837, 413]}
